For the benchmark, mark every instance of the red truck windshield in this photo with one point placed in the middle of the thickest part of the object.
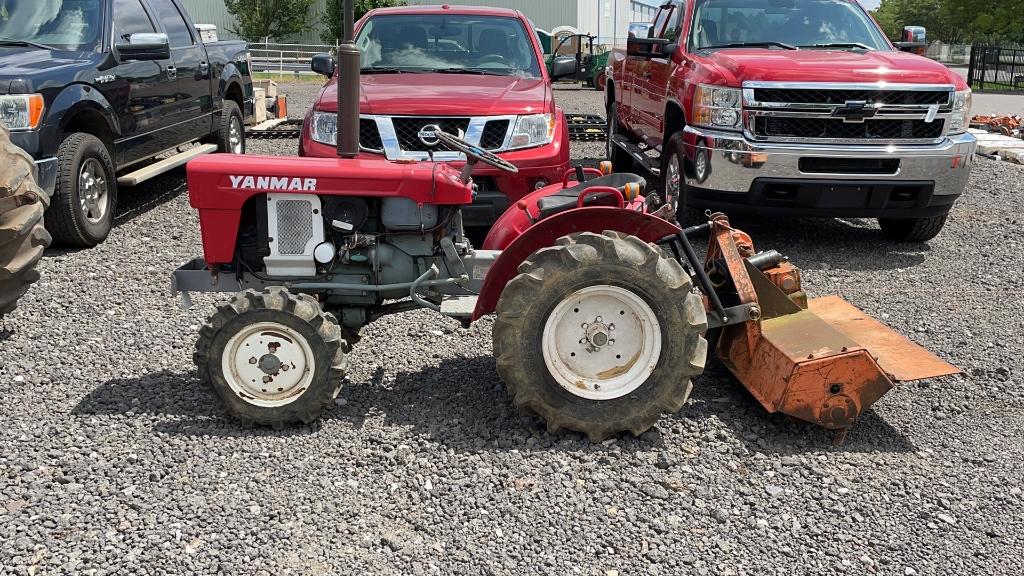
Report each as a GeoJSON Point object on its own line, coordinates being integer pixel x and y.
{"type": "Point", "coordinates": [61, 24]}
{"type": "Point", "coordinates": [447, 43]}
{"type": "Point", "coordinates": [788, 23]}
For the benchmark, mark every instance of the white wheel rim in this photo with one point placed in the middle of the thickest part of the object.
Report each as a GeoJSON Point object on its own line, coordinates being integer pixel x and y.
{"type": "Point", "coordinates": [601, 342]}
{"type": "Point", "coordinates": [268, 364]}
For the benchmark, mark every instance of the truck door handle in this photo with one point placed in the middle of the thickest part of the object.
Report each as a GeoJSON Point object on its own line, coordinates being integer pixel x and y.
{"type": "Point", "coordinates": [204, 67]}
{"type": "Point", "coordinates": [172, 72]}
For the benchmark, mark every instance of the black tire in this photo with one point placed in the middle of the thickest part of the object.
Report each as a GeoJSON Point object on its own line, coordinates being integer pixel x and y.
{"type": "Point", "coordinates": [231, 114]}
{"type": "Point", "coordinates": [673, 165]}
{"type": "Point", "coordinates": [912, 229]}
{"type": "Point", "coordinates": [23, 238]}
{"type": "Point", "coordinates": [302, 316]}
{"type": "Point", "coordinates": [584, 261]}
{"type": "Point", "coordinates": [67, 220]}
{"type": "Point", "coordinates": [620, 159]}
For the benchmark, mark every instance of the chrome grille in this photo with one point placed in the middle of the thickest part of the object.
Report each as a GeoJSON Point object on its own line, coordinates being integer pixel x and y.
{"type": "Point", "coordinates": [369, 135]}
{"type": "Point", "coordinates": [407, 130]}
{"type": "Point", "coordinates": [494, 134]}
{"type": "Point", "coordinates": [840, 97]}
{"type": "Point", "coordinates": [790, 127]}
{"type": "Point", "coordinates": [294, 226]}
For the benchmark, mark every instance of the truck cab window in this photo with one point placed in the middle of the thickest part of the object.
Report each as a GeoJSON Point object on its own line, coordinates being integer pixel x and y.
{"type": "Point", "coordinates": [130, 18]}
{"type": "Point", "coordinates": [174, 23]}
{"type": "Point", "coordinates": [661, 20]}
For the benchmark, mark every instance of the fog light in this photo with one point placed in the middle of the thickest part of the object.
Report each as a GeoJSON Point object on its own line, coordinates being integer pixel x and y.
{"type": "Point", "coordinates": [542, 183]}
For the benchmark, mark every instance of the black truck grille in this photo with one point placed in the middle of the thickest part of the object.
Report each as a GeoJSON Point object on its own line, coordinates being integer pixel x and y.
{"type": "Point", "coordinates": [882, 129]}
{"type": "Point", "coordinates": [369, 136]}
{"type": "Point", "coordinates": [407, 130]}
{"type": "Point", "coordinates": [494, 134]}
{"type": "Point", "coordinates": [839, 97]}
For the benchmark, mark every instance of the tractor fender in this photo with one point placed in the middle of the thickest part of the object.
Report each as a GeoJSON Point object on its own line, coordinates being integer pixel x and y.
{"type": "Point", "coordinates": [545, 233]}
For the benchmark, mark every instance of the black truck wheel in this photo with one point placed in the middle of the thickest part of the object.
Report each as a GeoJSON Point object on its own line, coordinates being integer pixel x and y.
{"type": "Point", "coordinates": [81, 213]}
{"type": "Point", "coordinates": [912, 229]}
{"type": "Point", "coordinates": [23, 237]}
{"type": "Point", "coordinates": [273, 357]}
{"type": "Point", "coordinates": [673, 181]}
{"type": "Point", "coordinates": [230, 135]}
{"type": "Point", "coordinates": [600, 334]}
{"type": "Point", "coordinates": [620, 159]}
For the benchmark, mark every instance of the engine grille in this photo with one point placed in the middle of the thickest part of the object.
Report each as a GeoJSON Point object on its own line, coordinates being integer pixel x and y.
{"type": "Point", "coordinates": [294, 226]}
{"type": "Point", "coordinates": [369, 135]}
{"type": "Point", "coordinates": [494, 134]}
{"type": "Point", "coordinates": [840, 97]}
{"type": "Point", "coordinates": [407, 130]}
{"type": "Point", "coordinates": [878, 129]}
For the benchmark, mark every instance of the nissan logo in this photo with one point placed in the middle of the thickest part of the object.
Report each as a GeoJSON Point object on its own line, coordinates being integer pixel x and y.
{"type": "Point", "coordinates": [428, 135]}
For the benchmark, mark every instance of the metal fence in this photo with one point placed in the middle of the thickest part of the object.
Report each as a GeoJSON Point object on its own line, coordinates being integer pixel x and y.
{"type": "Point", "coordinates": [954, 54]}
{"type": "Point", "coordinates": [274, 57]}
{"type": "Point", "coordinates": [996, 68]}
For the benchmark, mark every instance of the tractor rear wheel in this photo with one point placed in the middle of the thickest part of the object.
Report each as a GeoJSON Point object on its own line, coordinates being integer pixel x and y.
{"type": "Point", "coordinates": [22, 235]}
{"type": "Point", "coordinates": [273, 357]}
{"type": "Point", "coordinates": [600, 334]}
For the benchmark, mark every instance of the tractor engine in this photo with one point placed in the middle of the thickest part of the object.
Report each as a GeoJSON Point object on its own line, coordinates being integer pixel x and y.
{"type": "Point", "coordinates": [348, 240]}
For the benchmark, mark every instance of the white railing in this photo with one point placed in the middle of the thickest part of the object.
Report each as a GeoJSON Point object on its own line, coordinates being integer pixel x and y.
{"type": "Point", "coordinates": [276, 57]}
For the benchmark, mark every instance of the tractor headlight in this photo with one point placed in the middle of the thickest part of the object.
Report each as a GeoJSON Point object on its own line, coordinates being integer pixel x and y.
{"type": "Point", "coordinates": [325, 128]}
{"type": "Point", "coordinates": [533, 130]}
{"type": "Point", "coordinates": [960, 121]}
{"type": "Point", "coordinates": [21, 111]}
{"type": "Point", "coordinates": [717, 107]}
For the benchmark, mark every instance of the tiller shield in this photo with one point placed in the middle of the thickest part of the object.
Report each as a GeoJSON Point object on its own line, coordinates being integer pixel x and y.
{"type": "Point", "coordinates": [821, 361]}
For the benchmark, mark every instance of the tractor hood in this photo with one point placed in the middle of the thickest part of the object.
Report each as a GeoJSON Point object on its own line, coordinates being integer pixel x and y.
{"type": "Point", "coordinates": [763, 65]}
{"type": "Point", "coordinates": [426, 94]}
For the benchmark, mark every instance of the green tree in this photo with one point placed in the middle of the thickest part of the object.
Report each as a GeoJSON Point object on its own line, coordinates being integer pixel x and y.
{"type": "Point", "coordinates": [278, 19]}
{"type": "Point", "coordinates": [332, 15]}
{"type": "Point", "coordinates": [956, 21]}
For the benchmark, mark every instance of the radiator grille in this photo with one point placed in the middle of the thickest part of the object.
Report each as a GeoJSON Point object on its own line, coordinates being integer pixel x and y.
{"type": "Point", "coordinates": [494, 134]}
{"type": "Point", "coordinates": [407, 130]}
{"type": "Point", "coordinates": [840, 97]}
{"type": "Point", "coordinates": [294, 226]}
{"type": "Point", "coordinates": [369, 136]}
{"type": "Point", "coordinates": [837, 129]}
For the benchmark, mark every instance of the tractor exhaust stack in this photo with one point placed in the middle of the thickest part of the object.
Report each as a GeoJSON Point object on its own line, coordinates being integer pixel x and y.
{"type": "Point", "coordinates": [348, 86]}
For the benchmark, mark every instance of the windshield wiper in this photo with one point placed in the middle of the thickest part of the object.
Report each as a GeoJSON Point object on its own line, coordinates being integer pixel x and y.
{"type": "Point", "coordinates": [477, 71]}
{"type": "Point", "coordinates": [751, 45]}
{"type": "Point", "coordinates": [387, 70]}
{"type": "Point", "coordinates": [14, 42]}
{"type": "Point", "coordinates": [857, 45]}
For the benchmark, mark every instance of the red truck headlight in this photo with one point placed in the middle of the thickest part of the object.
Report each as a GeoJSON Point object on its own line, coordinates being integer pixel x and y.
{"type": "Point", "coordinates": [718, 107]}
{"type": "Point", "coordinates": [960, 121]}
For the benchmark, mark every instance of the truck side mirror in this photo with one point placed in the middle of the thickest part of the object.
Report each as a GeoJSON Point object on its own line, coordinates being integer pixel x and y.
{"type": "Point", "coordinates": [650, 47]}
{"type": "Point", "coordinates": [145, 46]}
{"type": "Point", "coordinates": [323, 64]}
{"type": "Point", "coordinates": [563, 66]}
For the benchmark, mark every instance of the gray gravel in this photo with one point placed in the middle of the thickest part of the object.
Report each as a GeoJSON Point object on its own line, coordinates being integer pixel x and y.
{"type": "Point", "coordinates": [113, 461]}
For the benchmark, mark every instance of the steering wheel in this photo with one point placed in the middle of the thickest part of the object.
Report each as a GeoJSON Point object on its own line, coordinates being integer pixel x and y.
{"type": "Point", "coordinates": [475, 152]}
{"type": "Point", "coordinates": [498, 58]}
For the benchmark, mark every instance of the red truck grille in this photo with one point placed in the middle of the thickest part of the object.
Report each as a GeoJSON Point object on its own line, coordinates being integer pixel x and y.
{"type": "Point", "coordinates": [369, 136]}
{"type": "Point", "coordinates": [407, 130]}
{"type": "Point", "coordinates": [887, 129]}
{"type": "Point", "coordinates": [839, 97]}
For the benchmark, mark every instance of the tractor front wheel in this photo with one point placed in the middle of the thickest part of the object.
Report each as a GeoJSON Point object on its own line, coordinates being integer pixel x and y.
{"type": "Point", "coordinates": [273, 357]}
{"type": "Point", "coordinates": [600, 334]}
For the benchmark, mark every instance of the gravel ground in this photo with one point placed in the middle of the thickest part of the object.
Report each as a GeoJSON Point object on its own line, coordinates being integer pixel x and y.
{"type": "Point", "coordinates": [113, 461]}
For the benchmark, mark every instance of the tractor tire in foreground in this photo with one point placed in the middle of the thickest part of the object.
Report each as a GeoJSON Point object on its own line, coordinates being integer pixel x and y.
{"type": "Point", "coordinates": [23, 237]}
{"type": "Point", "coordinates": [273, 357]}
{"type": "Point", "coordinates": [600, 334]}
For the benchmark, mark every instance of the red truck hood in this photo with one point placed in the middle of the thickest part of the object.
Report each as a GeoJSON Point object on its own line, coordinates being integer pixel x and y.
{"type": "Point", "coordinates": [831, 66]}
{"type": "Point", "coordinates": [445, 95]}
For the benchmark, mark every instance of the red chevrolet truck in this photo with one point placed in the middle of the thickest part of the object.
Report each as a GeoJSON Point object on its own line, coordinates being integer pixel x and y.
{"type": "Point", "coordinates": [794, 107]}
{"type": "Point", "coordinates": [478, 73]}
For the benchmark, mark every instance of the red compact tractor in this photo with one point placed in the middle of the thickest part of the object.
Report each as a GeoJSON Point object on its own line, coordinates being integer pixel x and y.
{"type": "Point", "coordinates": [602, 304]}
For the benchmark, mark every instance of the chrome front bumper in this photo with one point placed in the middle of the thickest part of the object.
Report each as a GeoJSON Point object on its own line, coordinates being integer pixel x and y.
{"type": "Point", "coordinates": [735, 164]}
{"type": "Point", "coordinates": [46, 175]}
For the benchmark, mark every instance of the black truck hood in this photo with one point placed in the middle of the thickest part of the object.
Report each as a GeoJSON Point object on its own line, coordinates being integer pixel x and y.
{"type": "Point", "coordinates": [33, 66]}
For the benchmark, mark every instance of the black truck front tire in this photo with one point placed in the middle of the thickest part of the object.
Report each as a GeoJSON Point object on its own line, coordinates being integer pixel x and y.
{"type": "Point", "coordinates": [84, 200]}
{"type": "Point", "coordinates": [912, 229]}
{"type": "Point", "coordinates": [230, 135]}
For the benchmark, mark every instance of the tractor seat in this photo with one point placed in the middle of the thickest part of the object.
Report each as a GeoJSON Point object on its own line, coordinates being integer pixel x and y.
{"type": "Point", "coordinates": [566, 198]}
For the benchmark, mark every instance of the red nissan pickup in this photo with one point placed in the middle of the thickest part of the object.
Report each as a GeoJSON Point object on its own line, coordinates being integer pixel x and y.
{"type": "Point", "coordinates": [795, 107]}
{"type": "Point", "coordinates": [478, 73]}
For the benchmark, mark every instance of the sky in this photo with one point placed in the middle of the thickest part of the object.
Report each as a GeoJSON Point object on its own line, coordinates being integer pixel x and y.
{"type": "Point", "coordinates": [870, 4]}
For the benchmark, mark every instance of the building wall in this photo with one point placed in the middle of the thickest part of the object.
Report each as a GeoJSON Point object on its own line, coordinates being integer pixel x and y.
{"type": "Point", "coordinates": [545, 14]}
{"type": "Point", "coordinates": [609, 19]}
{"type": "Point", "coordinates": [214, 12]}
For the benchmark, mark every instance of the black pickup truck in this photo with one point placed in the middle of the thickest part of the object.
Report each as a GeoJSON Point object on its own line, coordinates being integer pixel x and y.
{"type": "Point", "coordinates": [94, 90]}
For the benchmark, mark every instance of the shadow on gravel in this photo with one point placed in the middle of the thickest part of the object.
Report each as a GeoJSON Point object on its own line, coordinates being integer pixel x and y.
{"type": "Point", "coordinates": [461, 403]}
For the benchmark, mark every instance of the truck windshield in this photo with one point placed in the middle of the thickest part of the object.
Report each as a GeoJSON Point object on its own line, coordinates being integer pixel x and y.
{"type": "Point", "coordinates": [59, 24]}
{"type": "Point", "coordinates": [447, 43]}
{"type": "Point", "coordinates": [838, 24]}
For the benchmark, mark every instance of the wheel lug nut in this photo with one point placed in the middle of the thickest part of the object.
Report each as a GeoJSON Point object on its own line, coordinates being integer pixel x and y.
{"type": "Point", "coordinates": [253, 360]}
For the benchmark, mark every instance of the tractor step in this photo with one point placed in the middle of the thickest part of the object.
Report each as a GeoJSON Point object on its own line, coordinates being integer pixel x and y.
{"type": "Point", "coordinates": [651, 165]}
{"type": "Point", "coordinates": [458, 306]}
